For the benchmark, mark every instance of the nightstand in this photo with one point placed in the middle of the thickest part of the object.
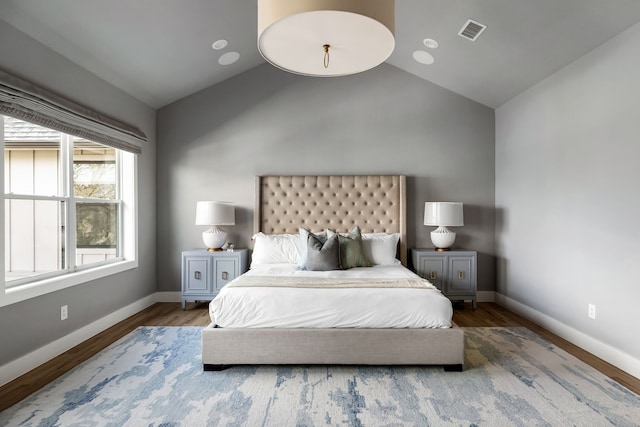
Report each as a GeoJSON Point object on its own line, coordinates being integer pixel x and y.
{"type": "Point", "coordinates": [453, 272]}
{"type": "Point", "coordinates": [205, 273]}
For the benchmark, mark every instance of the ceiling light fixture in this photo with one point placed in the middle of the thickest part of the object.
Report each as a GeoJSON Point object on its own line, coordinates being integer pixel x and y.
{"type": "Point", "coordinates": [228, 58]}
{"type": "Point", "coordinates": [326, 38]}
{"type": "Point", "coordinates": [423, 57]}
{"type": "Point", "coordinates": [430, 43]}
{"type": "Point", "coordinates": [219, 44]}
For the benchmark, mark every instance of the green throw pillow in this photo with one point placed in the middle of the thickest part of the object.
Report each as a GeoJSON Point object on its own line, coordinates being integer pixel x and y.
{"type": "Point", "coordinates": [351, 251]}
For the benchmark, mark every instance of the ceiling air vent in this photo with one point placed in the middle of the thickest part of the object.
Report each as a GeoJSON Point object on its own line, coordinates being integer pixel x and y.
{"type": "Point", "coordinates": [471, 30]}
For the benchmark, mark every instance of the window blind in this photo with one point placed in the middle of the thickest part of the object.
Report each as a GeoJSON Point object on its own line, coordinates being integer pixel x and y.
{"type": "Point", "coordinates": [26, 101]}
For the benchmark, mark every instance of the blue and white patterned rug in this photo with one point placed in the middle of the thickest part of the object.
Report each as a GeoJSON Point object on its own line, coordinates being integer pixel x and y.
{"type": "Point", "coordinates": [153, 377]}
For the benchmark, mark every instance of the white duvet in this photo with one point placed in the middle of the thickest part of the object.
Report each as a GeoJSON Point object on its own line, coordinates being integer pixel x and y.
{"type": "Point", "coordinates": [287, 307]}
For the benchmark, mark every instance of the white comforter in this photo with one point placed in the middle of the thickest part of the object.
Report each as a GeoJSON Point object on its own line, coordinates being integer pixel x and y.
{"type": "Point", "coordinates": [287, 307]}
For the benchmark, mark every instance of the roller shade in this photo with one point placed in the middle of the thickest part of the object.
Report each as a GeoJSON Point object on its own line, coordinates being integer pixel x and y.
{"type": "Point", "coordinates": [26, 101]}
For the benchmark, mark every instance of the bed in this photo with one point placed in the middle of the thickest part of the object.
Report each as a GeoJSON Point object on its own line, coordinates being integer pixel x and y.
{"type": "Point", "coordinates": [375, 203]}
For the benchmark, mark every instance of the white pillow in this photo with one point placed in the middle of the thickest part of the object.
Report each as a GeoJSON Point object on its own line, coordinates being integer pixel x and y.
{"type": "Point", "coordinates": [275, 249]}
{"type": "Point", "coordinates": [381, 248]}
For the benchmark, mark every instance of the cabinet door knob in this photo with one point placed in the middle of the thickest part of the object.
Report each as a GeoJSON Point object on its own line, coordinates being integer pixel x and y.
{"type": "Point", "coordinates": [197, 275]}
{"type": "Point", "coordinates": [461, 274]}
{"type": "Point", "coordinates": [433, 275]}
{"type": "Point", "coordinates": [225, 275]}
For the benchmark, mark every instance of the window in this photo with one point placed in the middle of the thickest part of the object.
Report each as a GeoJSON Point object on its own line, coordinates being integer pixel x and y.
{"type": "Point", "coordinates": [68, 204]}
{"type": "Point", "coordinates": [95, 172]}
{"type": "Point", "coordinates": [70, 184]}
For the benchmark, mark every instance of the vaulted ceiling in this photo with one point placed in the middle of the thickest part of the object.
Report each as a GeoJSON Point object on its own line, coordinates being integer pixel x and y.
{"type": "Point", "coordinates": [161, 50]}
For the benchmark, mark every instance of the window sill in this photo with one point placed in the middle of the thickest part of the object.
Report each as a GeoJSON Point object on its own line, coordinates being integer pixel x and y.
{"type": "Point", "coordinates": [42, 287]}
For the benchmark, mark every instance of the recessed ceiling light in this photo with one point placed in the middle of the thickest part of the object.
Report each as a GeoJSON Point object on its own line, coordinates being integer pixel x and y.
{"type": "Point", "coordinates": [219, 44]}
{"type": "Point", "coordinates": [228, 58]}
{"type": "Point", "coordinates": [423, 57]}
{"type": "Point", "coordinates": [430, 43]}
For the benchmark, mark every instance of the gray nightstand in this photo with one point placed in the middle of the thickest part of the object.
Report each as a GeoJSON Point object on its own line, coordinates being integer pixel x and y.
{"type": "Point", "coordinates": [205, 273]}
{"type": "Point", "coordinates": [453, 272]}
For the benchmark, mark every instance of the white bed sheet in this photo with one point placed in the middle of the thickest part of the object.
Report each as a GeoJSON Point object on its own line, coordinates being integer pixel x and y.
{"type": "Point", "coordinates": [275, 307]}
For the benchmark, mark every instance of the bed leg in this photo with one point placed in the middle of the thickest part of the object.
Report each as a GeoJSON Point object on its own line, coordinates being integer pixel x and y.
{"type": "Point", "coordinates": [210, 367]}
{"type": "Point", "coordinates": [453, 368]}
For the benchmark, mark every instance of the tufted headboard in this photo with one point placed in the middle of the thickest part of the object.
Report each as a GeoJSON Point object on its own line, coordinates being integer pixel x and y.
{"type": "Point", "coordinates": [376, 203]}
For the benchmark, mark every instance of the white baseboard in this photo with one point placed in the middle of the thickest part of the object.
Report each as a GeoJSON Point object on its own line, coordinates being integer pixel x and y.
{"type": "Point", "coordinates": [26, 363]}
{"type": "Point", "coordinates": [486, 296]}
{"type": "Point", "coordinates": [169, 296]}
{"type": "Point", "coordinates": [613, 355]}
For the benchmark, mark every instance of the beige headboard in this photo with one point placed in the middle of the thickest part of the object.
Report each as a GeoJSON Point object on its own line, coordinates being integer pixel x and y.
{"type": "Point", "coordinates": [376, 203]}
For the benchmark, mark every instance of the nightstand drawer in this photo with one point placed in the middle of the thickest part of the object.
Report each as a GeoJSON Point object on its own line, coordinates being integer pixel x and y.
{"type": "Point", "coordinates": [196, 275]}
{"type": "Point", "coordinates": [204, 273]}
{"type": "Point", "coordinates": [453, 272]}
{"type": "Point", "coordinates": [461, 276]}
{"type": "Point", "coordinates": [226, 270]}
{"type": "Point", "coordinates": [432, 270]}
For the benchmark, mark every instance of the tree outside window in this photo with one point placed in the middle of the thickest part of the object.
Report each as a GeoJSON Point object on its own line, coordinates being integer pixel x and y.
{"type": "Point", "coordinates": [94, 177]}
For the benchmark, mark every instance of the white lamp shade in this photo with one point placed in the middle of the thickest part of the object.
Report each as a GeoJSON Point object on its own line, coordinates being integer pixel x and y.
{"type": "Point", "coordinates": [215, 213]}
{"type": "Point", "coordinates": [448, 214]}
{"type": "Point", "coordinates": [292, 33]}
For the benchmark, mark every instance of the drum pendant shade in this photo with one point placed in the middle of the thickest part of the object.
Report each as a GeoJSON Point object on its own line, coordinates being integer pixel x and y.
{"type": "Point", "coordinates": [326, 38]}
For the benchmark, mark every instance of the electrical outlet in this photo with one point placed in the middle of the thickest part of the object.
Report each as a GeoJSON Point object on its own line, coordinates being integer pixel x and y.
{"type": "Point", "coordinates": [592, 311]}
{"type": "Point", "coordinates": [64, 312]}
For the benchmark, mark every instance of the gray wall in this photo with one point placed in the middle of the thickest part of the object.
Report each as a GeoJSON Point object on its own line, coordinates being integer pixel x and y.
{"type": "Point", "coordinates": [567, 176]}
{"type": "Point", "coordinates": [212, 144]}
{"type": "Point", "coordinates": [28, 325]}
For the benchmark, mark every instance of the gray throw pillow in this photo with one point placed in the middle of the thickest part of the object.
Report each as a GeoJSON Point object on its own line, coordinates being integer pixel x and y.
{"type": "Point", "coordinates": [304, 237]}
{"type": "Point", "coordinates": [323, 256]}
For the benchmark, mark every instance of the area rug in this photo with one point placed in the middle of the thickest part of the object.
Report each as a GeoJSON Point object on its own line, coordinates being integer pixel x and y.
{"type": "Point", "coordinates": [153, 377]}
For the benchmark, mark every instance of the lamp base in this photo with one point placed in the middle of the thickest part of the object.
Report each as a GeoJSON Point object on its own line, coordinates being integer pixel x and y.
{"type": "Point", "coordinates": [214, 238]}
{"type": "Point", "coordinates": [442, 238]}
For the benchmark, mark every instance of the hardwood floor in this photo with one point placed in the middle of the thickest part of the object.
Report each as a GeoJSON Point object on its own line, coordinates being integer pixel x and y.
{"type": "Point", "coordinates": [491, 314]}
{"type": "Point", "coordinates": [171, 314]}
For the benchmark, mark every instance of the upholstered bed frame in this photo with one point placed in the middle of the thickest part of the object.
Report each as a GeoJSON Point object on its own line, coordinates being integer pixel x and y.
{"type": "Point", "coordinates": [376, 203]}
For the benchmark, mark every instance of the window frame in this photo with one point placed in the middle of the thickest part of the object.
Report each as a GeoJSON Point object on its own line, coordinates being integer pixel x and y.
{"type": "Point", "coordinates": [127, 257]}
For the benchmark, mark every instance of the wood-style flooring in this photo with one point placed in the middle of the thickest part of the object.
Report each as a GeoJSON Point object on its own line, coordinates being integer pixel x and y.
{"type": "Point", "coordinates": [171, 314]}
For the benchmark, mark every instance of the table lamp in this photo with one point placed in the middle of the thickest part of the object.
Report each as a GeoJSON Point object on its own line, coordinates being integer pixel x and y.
{"type": "Point", "coordinates": [215, 214]}
{"type": "Point", "coordinates": [443, 215]}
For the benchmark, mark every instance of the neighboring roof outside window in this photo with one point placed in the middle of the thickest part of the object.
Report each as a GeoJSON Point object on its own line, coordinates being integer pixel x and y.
{"type": "Point", "coordinates": [17, 130]}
